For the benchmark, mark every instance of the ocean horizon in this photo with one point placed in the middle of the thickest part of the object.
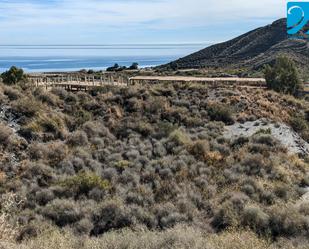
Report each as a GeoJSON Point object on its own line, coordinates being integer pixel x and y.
{"type": "Point", "coordinates": [60, 58]}
{"type": "Point", "coordinates": [68, 63]}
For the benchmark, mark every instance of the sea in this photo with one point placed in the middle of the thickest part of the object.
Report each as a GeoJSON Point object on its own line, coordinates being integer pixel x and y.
{"type": "Point", "coordinates": [64, 58]}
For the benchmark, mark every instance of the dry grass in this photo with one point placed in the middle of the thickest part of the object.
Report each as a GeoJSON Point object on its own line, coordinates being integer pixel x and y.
{"type": "Point", "coordinates": [180, 237]}
{"type": "Point", "coordinates": [238, 240]}
{"type": "Point", "coordinates": [8, 228]}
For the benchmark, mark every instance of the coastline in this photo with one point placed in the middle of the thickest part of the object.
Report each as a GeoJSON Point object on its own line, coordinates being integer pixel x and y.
{"type": "Point", "coordinates": [73, 64]}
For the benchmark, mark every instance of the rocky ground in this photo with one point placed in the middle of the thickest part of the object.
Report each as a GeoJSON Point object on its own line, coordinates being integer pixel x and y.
{"type": "Point", "coordinates": [282, 132]}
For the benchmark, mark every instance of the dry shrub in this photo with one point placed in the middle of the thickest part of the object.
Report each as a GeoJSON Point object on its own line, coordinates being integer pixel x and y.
{"type": "Point", "coordinates": [9, 229]}
{"type": "Point", "coordinates": [112, 215]}
{"type": "Point", "coordinates": [293, 243]}
{"type": "Point", "coordinates": [27, 106]}
{"type": "Point", "coordinates": [133, 105]}
{"type": "Point", "coordinates": [229, 213]}
{"type": "Point", "coordinates": [62, 212]}
{"type": "Point", "coordinates": [220, 112]}
{"type": "Point", "coordinates": [180, 237]}
{"type": "Point", "coordinates": [214, 157]}
{"type": "Point", "coordinates": [48, 98]}
{"type": "Point", "coordinates": [200, 149]}
{"type": "Point", "coordinates": [286, 220]}
{"type": "Point", "coordinates": [37, 151]}
{"type": "Point", "coordinates": [256, 165]}
{"type": "Point", "coordinates": [227, 216]}
{"type": "Point", "coordinates": [57, 152]}
{"type": "Point", "coordinates": [180, 138]}
{"type": "Point", "coordinates": [156, 105]}
{"type": "Point", "coordinates": [176, 238]}
{"type": "Point", "coordinates": [48, 123]}
{"type": "Point", "coordinates": [5, 134]}
{"type": "Point", "coordinates": [237, 240]}
{"type": "Point", "coordinates": [169, 162]}
{"type": "Point", "coordinates": [60, 92]}
{"type": "Point", "coordinates": [256, 219]}
{"type": "Point", "coordinates": [298, 123]}
{"type": "Point", "coordinates": [3, 177]}
{"type": "Point", "coordinates": [304, 208]}
{"type": "Point", "coordinates": [54, 152]}
{"type": "Point", "coordinates": [40, 173]}
{"type": "Point", "coordinates": [12, 93]}
{"type": "Point", "coordinates": [94, 129]}
{"type": "Point", "coordinates": [78, 138]}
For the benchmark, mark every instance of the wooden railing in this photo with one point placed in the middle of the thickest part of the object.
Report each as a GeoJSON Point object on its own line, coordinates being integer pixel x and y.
{"type": "Point", "coordinates": [260, 82]}
{"type": "Point", "coordinates": [86, 82]}
{"type": "Point", "coordinates": [77, 82]}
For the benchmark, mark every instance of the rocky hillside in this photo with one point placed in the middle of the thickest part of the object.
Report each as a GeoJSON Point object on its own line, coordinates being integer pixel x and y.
{"type": "Point", "coordinates": [251, 50]}
{"type": "Point", "coordinates": [136, 164]}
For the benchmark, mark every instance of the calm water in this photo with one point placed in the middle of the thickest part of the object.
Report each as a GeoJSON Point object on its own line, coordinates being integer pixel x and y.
{"type": "Point", "coordinates": [68, 63]}
{"type": "Point", "coordinates": [55, 58]}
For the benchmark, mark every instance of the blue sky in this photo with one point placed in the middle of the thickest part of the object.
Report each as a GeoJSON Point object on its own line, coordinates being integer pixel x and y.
{"type": "Point", "coordinates": [132, 21]}
{"type": "Point", "coordinates": [204, 22]}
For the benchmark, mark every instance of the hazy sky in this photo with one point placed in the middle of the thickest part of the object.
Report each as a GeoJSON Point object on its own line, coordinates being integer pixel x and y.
{"type": "Point", "coordinates": [132, 21]}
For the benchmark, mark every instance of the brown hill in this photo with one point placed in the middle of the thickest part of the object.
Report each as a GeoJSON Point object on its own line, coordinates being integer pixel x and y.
{"type": "Point", "coordinates": [251, 50]}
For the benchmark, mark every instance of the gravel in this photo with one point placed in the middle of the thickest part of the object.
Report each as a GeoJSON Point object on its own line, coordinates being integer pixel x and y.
{"type": "Point", "coordinates": [288, 137]}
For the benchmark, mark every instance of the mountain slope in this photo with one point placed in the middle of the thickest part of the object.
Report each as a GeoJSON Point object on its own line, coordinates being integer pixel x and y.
{"type": "Point", "coordinates": [252, 50]}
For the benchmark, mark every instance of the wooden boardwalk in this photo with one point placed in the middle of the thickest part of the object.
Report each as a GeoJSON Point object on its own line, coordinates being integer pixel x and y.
{"type": "Point", "coordinates": [78, 82]}
{"type": "Point", "coordinates": [184, 79]}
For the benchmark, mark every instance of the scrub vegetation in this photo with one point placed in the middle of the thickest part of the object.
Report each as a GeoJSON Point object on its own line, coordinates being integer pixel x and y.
{"type": "Point", "coordinates": [148, 167]}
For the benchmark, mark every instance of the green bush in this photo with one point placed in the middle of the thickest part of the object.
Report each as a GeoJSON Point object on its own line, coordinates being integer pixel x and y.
{"type": "Point", "coordinates": [179, 137]}
{"type": "Point", "coordinates": [122, 165]}
{"type": "Point", "coordinates": [220, 112]}
{"type": "Point", "coordinates": [13, 76]}
{"type": "Point", "coordinates": [81, 117]}
{"type": "Point", "coordinates": [84, 182]}
{"type": "Point", "coordinates": [50, 123]}
{"type": "Point", "coordinates": [298, 123]}
{"type": "Point", "coordinates": [265, 139]}
{"type": "Point", "coordinates": [263, 131]}
{"type": "Point", "coordinates": [283, 76]}
{"type": "Point", "coordinates": [134, 66]}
